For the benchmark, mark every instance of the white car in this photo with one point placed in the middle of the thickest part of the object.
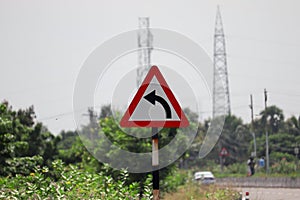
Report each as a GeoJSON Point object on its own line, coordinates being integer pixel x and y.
{"type": "Point", "coordinates": [205, 177]}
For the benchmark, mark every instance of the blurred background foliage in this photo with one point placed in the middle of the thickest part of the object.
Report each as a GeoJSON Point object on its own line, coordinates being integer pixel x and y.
{"type": "Point", "coordinates": [41, 163]}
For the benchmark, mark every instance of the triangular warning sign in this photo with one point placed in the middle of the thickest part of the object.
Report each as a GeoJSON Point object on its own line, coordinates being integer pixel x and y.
{"type": "Point", "coordinates": [153, 93]}
{"type": "Point", "coordinates": [224, 152]}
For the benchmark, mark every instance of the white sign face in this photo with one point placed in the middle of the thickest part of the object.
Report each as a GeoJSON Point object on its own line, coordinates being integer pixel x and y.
{"type": "Point", "coordinates": [146, 111]}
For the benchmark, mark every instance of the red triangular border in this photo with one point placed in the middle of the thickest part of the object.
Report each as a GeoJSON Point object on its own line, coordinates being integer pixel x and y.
{"type": "Point", "coordinates": [224, 152]}
{"type": "Point", "coordinates": [182, 122]}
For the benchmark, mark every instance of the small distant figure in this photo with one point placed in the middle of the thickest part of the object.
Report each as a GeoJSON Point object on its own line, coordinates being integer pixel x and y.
{"type": "Point", "coordinates": [261, 162]}
{"type": "Point", "coordinates": [251, 164]}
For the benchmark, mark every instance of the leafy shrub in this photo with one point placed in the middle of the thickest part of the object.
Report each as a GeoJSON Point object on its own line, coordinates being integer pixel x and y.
{"type": "Point", "coordinates": [278, 156]}
{"type": "Point", "coordinates": [283, 167]}
{"type": "Point", "coordinates": [236, 168]}
{"type": "Point", "coordinates": [194, 192]}
{"type": "Point", "coordinates": [22, 165]}
{"type": "Point", "coordinates": [172, 181]}
{"type": "Point", "coordinates": [70, 183]}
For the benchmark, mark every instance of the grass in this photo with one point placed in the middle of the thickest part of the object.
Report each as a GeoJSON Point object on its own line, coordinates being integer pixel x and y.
{"type": "Point", "coordinates": [192, 191]}
{"type": "Point", "coordinates": [259, 174]}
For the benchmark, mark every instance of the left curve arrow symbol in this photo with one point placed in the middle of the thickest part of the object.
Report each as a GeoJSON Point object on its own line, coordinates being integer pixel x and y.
{"type": "Point", "coordinates": [152, 98]}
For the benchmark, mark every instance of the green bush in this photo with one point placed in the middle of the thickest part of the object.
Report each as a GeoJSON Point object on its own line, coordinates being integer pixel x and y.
{"type": "Point", "coordinates": [192, 191]}
{"type": "Point", "coordinates": [172, 181]}
{"type": "Point", "coordinates": [69, 182]}
{"type": "Point", "coordinates": [236, 168]}
{"type": "Point", "coordinates": [283, 167]}
{"type": "Point", "coordinates": [22, 165]}
{"type": "Point", "coordinates": [278, 156]}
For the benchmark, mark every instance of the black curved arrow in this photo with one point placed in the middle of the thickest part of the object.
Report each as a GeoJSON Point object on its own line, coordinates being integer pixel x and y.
{"type": "Point", "coordinates": [152, 98]}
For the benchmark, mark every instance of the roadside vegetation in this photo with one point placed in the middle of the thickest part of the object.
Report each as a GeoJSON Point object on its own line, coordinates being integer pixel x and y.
{"type": "Point", "coordinates": [37, 164]}
{"type": "Point", "coordinates": [197, 192]}
{"type": "Point", "coordinates": [237, 138]}
{"type": "Point", "coordinates": [70, 182]}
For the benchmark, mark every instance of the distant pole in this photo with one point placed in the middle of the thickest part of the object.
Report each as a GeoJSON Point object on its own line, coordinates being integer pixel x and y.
{"type": "Point", "coordinates": [251, 107]}
{"type": "Point", "coordinates": [155, 163]}
{"type": "Point", "coordinates": [296, 154]}
{"type": "Point", "coordinates": [252, 128]}
{"type": "Point", "coordinates": [267, 137]}
{"type": "Point", "coordinates": [221, 163]}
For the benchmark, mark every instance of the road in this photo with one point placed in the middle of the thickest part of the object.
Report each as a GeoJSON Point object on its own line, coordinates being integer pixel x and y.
{"type": "Point", "coordinates": [271, 193]}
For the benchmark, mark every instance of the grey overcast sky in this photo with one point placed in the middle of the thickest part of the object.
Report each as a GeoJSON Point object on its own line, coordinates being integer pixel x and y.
{"type": "Point", "coordinates": [43, 45]}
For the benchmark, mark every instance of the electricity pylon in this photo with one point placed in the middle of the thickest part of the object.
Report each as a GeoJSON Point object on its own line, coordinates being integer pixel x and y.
{"type": "Point", "coordinates": [221, 100]}
{"type": "Point", "coordinates": [145, 48]}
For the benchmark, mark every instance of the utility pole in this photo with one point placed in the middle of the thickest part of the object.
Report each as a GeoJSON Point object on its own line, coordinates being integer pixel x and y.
{"type": "Point", "coordinates": [252, 128]}
{"type": "Point", "coordinates": [267, 137]}
{"type": "Point", "coordinates": [221, 159]}
{"type": "Point", "coordinates": [296, 151]}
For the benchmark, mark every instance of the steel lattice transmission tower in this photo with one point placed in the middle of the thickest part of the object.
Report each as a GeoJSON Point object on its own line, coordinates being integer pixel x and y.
{"type": "Point", "coordinates": [145, 48]}
{"type": "Point", "coordinates": [221, 100]}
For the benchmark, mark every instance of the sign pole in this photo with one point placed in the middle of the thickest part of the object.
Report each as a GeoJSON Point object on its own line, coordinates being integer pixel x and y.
{"type": "Point", "coordinates": [155, 163]}
{"type": "Point", "coordinates": [167, 100]}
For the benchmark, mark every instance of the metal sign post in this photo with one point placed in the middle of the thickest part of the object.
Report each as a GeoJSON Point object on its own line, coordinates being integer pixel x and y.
{"type": "Point", "coordinates": [222, 154]}
{"type": "Point", "coordinates": [155, 163]}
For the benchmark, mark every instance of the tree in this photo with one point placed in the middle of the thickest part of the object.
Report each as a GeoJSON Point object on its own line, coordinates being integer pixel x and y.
{"type": "Point", "coordinates": [105, 111]}
{"type": "Point", "coordinates": [293, 126]}
{"type": "Point", "coordinates": [70, 148]}
{"type": "Point", "coordinates": [23, 142]}
{"type": "Point", "coordinates": [283, 135]}
{"type": "Point", "coordinates": [10, 135]}
{"type": "Point", "coordinates": [273, 118]}
{"type": "Point", "coordinates": [236, 138]}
